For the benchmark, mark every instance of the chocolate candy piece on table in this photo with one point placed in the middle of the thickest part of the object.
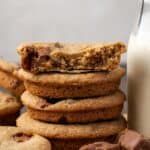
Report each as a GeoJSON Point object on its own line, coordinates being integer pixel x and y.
{"type": "Point", "coordinates": [101, 146]}
{"type": "Point", "coordinates": [127, 140]}
{"type": "Point", "coordinates": [131, 140]}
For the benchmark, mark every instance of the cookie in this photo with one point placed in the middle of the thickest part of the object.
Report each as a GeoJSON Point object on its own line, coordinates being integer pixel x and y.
{"type": "Point", "coordinates": [47, 57]}
{"type": "Point", "coordinates": [74, 110]}
{"type": "Point", "coordinates": [13, 138]}
{"type": "Point", "coordinates": [65, 134]}
{"type": "Point", "coordinates": [60, 85]}
{"type": "Point", "coordinates": [9, 109]}
{"type": "Point", "coordinates": [8, 80]}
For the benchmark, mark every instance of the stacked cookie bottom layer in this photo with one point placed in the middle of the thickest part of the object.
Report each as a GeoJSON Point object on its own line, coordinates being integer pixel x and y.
{"type": "Point", "coordinates": [72, 109]}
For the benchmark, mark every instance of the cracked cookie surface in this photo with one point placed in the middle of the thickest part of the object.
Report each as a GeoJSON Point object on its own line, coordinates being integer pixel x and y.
{"type": "Point", "coordinates": [62, 57]}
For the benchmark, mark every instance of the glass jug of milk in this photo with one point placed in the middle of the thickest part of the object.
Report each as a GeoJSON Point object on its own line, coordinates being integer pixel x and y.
{"type": "Point", "coordinates": [138, 73]}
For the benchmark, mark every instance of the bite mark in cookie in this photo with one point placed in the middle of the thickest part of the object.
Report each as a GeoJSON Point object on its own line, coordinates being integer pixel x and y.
{"type": "Point", "coordinates": [47, 57]}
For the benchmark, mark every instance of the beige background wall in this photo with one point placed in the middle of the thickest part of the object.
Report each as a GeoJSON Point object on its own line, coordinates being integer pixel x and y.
{"type": "Point", "coordinates": [63, 20]}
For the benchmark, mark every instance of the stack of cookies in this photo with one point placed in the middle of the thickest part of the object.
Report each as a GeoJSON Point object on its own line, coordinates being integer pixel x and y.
{"type": "Point", "coordinates": [72, 92]}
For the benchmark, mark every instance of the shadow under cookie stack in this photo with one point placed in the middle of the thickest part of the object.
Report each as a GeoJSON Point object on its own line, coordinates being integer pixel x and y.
{"type": "Point", "coordinates": [72, 92]}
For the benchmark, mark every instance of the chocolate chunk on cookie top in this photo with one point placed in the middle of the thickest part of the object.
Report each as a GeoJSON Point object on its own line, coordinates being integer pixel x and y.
{"type": "Point", "coordinates": [47, 57]}
{"type": "Point", "coordinates": [12, 138]}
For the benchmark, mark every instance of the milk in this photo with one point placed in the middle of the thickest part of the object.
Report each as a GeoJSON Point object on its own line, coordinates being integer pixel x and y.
{"type": "Point", "coordinates": [138, 72]}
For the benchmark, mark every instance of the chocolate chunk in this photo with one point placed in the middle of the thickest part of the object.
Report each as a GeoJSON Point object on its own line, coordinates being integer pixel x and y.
{"type": "Point", "coordinates": [43, 104]}
{"type": "Point", "coordinates": [21, 137]}
{"type": "Point", "coordinates": [42, 52]}
{"type": "Point", "coordinates": [101, 146]}
{"type": "Point", "coordinates": [15, 83]}
{"type": "Point", "coordinates": [9, 99]}
{"type": "Point", "coordinates": [131, 140]}
{"type": "Point", "coordinates": [58, 45]}
{"type": "Point", "coordinates": [27, 58]}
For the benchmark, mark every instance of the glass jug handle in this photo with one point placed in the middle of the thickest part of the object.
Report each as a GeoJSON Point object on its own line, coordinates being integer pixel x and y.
{"type": "Point", "coordinates": [139, 16]}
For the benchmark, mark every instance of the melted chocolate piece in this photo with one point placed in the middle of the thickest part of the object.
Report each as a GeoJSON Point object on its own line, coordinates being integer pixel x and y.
{"type": "Point", "coordinates": [21, 137]}
{"type": "Point", "coordinates": [101, 146]}
{"type": "Point", "coordinates": [52, 100]}
{"type": "Point", "coordinates": [131, 140]}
